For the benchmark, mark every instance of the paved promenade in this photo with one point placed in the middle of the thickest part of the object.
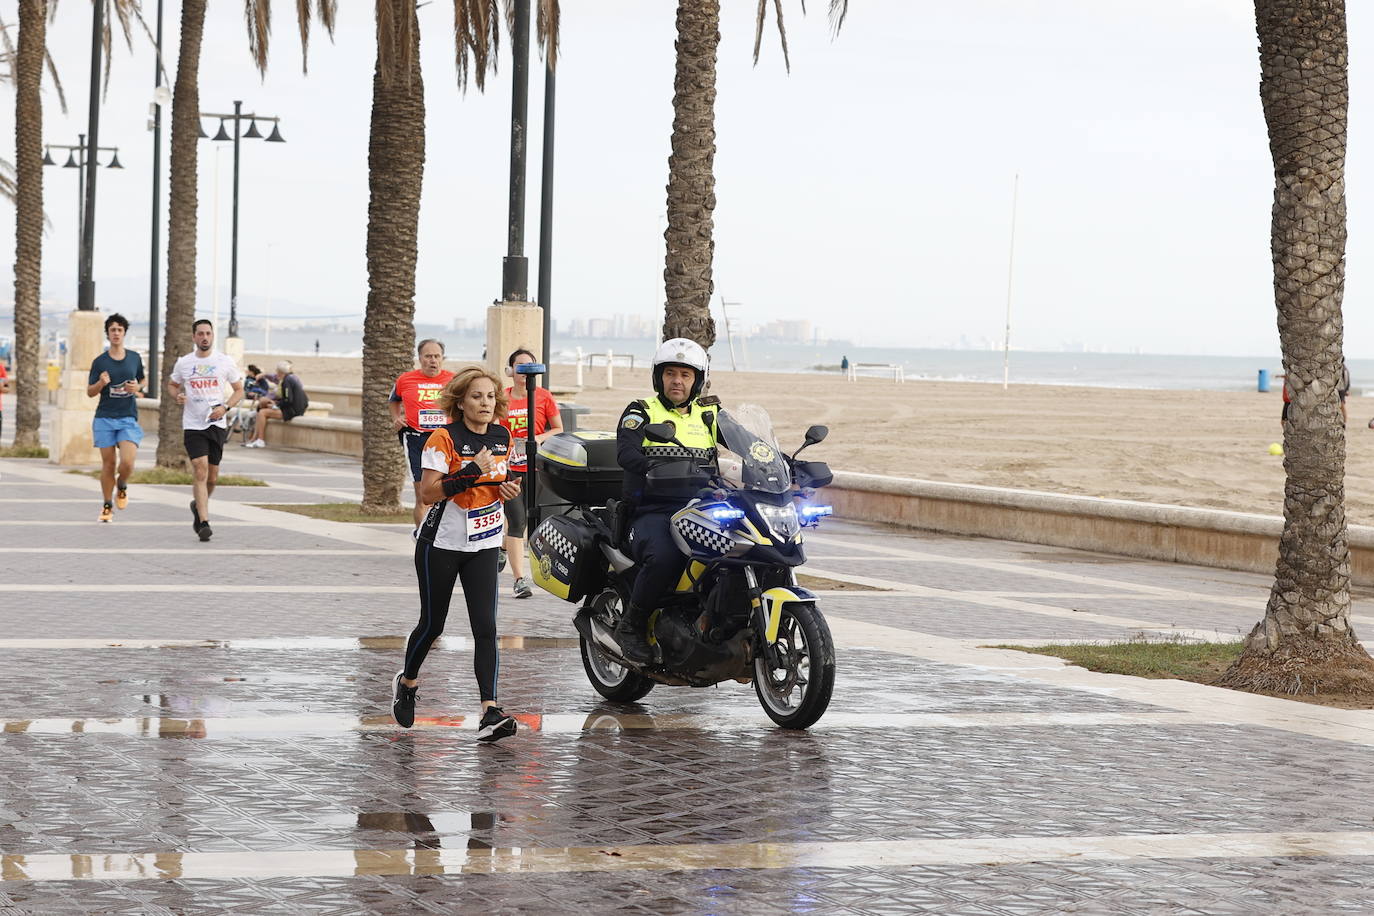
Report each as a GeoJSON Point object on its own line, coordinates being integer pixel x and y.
{"type": "Point", "coordinates": [200, 728]}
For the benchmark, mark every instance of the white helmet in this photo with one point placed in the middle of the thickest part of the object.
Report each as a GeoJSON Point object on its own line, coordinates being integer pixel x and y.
{"type": "Point", "coordinates": [679, 351]}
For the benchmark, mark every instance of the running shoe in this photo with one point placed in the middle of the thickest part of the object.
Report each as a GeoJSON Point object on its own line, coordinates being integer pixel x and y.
{"type": "Point", "coordinates": [495, 725]}
{"type": "Point", "coordinates": [523, 587]}
{"type": "Point", "coordinates": [258, 443]}
{"type": "Point", "coordinates": [403, 701]}
{"type": "Point", "coordinates": [107, 513]}
{"type": "Point", "coordinates": [205, 531]}
{"type": "Point", "coordinates": [122, 498]}
{"type": "Point", "coordinates": [195, 516]}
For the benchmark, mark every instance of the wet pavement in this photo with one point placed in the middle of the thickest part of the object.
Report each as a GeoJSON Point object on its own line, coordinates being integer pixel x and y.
{"type": "Point", "coordinates": [204, 728]}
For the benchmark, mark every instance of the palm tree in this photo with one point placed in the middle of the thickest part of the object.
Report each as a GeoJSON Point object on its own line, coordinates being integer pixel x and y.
{"type": "Point", "coordinates": [181, 226]}
{"type": "Point", "coordinates": [28, 243]}
{"type": "Point", "coordinates": [691, 177]}
{"type": "Point", "coordinates": [181, 202]}
{"type": "Point", "coordinates": [395, 172]}
{"type": "Point", "coordinates": [396, 159]}
{"type": "Point", "coordinates": [1305, 643]}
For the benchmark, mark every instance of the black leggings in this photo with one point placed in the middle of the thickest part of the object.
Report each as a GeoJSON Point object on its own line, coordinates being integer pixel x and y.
{"type": "Point", "coordinates": [438, 570]}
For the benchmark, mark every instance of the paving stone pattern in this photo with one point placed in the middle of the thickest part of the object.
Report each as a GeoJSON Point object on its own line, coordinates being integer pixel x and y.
{"type": "Point", "coordinates": [717, 773]}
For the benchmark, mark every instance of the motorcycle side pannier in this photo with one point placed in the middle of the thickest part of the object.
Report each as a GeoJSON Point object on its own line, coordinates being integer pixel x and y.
{"type": "Point", "coordinates": [566, 560]}
{"type": "Point", "coordinates": [580, 467]}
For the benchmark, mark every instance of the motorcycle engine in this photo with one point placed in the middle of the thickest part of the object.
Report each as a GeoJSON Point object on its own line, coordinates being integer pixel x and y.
{"type": "Point", "coordinates": [689, 653]}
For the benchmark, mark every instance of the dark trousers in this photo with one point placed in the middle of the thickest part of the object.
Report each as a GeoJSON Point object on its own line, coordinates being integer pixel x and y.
{"type": "Point", "coordinates": [661, 563]}
{"type": "Point", "coordinates": [438, 571]}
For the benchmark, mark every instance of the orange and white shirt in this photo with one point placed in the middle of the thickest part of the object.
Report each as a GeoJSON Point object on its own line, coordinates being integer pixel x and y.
{"type": "Point", "coordinates": [473, 518]}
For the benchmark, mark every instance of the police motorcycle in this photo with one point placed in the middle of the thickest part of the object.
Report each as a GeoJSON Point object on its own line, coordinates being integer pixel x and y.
{"type": "Point", "coordinates": [737, 613]}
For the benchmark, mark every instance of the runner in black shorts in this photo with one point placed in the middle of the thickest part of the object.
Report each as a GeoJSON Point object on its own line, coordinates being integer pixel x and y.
{"type": "Point", "coordinates": [197, 382]}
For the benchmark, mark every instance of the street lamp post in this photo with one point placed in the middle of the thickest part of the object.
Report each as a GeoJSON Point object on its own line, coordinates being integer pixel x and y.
{"type": "Point", "coordinates": [238, 116]}
{"type": "Point", "coordinates": [85, 291]}
{"type": "Point", "coordinates": [515, 267]}
{"type": "Point", "coordinates": [158, 94]}
{"type": "Point", "coordinates": [77, 158]}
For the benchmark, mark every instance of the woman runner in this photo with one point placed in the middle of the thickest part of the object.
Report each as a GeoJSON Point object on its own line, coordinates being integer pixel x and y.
{"type": "Point", "coordinates": [465, 479]}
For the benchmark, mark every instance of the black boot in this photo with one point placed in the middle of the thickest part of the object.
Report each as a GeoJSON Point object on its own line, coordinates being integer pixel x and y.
{"type": "Point", "coordinates": [629, 635]}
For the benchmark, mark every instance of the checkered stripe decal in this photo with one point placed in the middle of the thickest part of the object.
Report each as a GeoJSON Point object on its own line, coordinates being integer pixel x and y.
{"type": "Point", "coordinates": [694, 531]}
{"type": "Point", "coordinates": [557, 541]}
{"type": "Point", "coordinates": [678, 451]}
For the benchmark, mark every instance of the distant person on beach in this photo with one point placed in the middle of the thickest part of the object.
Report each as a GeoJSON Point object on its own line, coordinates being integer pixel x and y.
{"type": "Point", "coordinates": [547, 422]}
{"type": "Point", "coordinates": [1342, 389]}
{"type": "Point", "coordinates": [290, 402]}
{"type": "Point", "coordinates": [117, 379]}
{"type": "Point", "coordinates": [415, 411]}
{"type": "Point", "coordinates": [844, 363]}
{"type": "Point", "coordinates": [197, 382]}
{"type": "Point", "coordinates": [317, 347]}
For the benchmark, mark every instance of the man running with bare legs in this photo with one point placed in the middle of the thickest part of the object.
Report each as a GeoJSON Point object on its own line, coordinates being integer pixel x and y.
{"type": "Point", "coordinates": [117, 379]}
{"type": "Point", "coordinates": [197, 382]}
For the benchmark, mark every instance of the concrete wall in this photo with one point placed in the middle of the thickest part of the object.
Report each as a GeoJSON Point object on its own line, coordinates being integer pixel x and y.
{"type": "Point", "coordinates": [1204, 537]}
{"type": "Point", "coordinates": [346, 402]}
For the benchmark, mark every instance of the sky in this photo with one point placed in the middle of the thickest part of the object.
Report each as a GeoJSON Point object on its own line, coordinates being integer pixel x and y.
{"type": "Point", "coordinates": [869, 191]}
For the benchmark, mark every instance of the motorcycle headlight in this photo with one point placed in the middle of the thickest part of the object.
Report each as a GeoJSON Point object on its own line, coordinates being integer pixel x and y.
{"type": "Point", "coordinates": [781, 520]}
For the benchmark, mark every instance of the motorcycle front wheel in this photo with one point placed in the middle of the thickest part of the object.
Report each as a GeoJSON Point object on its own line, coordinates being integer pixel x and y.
{"type": "Point", "coordinates": [611, 679]}
{"type": "Point", "coordinates": [797, 693]}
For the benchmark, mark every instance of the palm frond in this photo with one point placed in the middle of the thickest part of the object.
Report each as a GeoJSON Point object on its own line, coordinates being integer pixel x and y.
{"type": "Point", "coordinates": [838, 10]}
{"type": "Point", "coordinates": [326, 10]}
{"type": "Point", "coordinates": [476, 39]}
{"type": "Point", "coordinates": [546, 29]}
{"type": "Point", "coordinates": [56, 81]}
{"type": "Point", "coordinates": [257, 15]}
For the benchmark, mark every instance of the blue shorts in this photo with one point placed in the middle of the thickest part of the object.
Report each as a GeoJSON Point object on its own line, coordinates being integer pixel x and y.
{"type": "Point", "coordinates": [110, 431]}
{"type": "Point", "coordinates": [413, 441]}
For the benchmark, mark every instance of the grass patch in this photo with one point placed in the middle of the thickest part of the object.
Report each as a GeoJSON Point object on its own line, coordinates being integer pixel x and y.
{"type": "Point", "coordinates": [343, 512]}
{"type": "Point", "coordinates": [1199, 662]}
{"type": "Point", "coordinates": [24, 451]}
{"type": "Point", "coordinates": [821, 583]}
{"type": "Point", "coordinates": [176, 478]}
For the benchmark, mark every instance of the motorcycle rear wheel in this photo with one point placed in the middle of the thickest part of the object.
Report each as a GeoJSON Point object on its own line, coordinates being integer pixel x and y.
{"type": "Point", "coordinates": [609, 678]}
{"type": "Point", "coordinates": [797, 694]}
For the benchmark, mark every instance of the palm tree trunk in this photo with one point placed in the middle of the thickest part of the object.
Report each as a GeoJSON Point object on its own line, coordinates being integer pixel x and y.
{"type": "Point", "coordinates": [28, 215]}
{"type": "Point", "coordinates": [691, 178]}
{"type": "Point", "coordinates": [181, 227]}
{"type": "Point", "coordinates": [1305, 643]}
{"type": "Point", "coordinates": [396, 166]}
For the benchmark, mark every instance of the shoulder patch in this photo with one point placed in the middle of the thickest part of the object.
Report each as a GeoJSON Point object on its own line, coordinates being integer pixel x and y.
{"type": "Point", "coordinates": [632, 421]}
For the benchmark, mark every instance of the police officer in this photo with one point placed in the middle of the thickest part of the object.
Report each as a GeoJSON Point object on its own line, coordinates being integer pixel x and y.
{"type": "Point", "coordinates": [679, 373]}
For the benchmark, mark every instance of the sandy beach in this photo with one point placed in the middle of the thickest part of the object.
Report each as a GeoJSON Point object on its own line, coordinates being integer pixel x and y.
{"type": "Point", "coordinates": [1194, 448]}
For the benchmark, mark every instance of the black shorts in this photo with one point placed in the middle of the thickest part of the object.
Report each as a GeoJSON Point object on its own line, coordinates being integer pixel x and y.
{"type": "Point", "coordinates": [516, 516]}
{"type": "Point", "coordinates": [206, 443]}
{"type": "Point", "coordinates": [413, 441]}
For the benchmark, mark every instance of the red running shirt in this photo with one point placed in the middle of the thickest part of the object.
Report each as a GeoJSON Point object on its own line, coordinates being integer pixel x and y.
{"type": "Point", "coordinates": [417, 393]}
{"type": "Point", "coordinates": [517, 421]}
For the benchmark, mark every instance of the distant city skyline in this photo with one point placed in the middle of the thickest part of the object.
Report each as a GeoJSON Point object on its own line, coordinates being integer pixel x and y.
{"type": "Point", "coordinates": [866, 192]}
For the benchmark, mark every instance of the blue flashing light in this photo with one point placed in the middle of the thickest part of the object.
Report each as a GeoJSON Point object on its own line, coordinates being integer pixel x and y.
{"type": "Point", "coordinates": [814, 512]}
{"type": "Point", "coordinates": [727, 514]}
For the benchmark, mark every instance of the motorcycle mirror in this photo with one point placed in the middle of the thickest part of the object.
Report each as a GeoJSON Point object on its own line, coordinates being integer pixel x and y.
{"type": "Point", "coordinates": [659, 432]}
{"type": "Point", "coordinates": [816, 434]}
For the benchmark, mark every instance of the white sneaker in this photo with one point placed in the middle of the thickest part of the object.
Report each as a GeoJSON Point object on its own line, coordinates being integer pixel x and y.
{"type": "Point", "coordinates": [257, 443]}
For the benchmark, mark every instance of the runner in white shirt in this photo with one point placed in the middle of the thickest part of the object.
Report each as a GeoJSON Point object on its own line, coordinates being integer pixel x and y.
{"type": "Point", "coordinates": [197, 382]}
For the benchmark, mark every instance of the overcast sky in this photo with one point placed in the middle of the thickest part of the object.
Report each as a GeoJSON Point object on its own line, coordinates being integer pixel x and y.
{"type": "Point", "coordinates": [869, 191]}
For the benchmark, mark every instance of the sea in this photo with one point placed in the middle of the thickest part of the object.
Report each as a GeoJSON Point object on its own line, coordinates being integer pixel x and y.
{"type": "Point", "coordinates": [1102, 370]}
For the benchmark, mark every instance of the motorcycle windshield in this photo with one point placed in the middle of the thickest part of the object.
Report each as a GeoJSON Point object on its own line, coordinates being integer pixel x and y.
{"type": "Point", "coordinates": [747, 451]}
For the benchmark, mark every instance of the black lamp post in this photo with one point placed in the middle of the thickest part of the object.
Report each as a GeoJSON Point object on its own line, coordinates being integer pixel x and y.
{"type": "Point", "coordinates": [251, 134]}
{"type": "Point", "coordinates": [154, 345]}
{"type": "Point", "coordinates": [515, 268]}
{"type": "Point", "coordinates": [85, 290]}
{"type": "Point", "coordinates": [83, 157]}
{"type": "Point", "coordinates": [545, 293]}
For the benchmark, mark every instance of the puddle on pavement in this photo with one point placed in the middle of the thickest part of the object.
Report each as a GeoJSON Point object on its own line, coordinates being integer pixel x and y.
{"type": "Point", "coordinates": [389, 643]}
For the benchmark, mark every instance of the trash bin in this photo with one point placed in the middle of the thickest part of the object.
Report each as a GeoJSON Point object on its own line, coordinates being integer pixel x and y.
{"type": "Point", "coordinates": [1264, 380]}
{"type": "Point", "coordinates": [569, 413]}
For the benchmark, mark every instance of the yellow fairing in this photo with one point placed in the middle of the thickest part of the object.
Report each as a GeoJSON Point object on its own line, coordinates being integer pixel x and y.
{"type": "Point", "coordinates": [690, 575]}
{"type": "Point", "coordinates": [776, 598]}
